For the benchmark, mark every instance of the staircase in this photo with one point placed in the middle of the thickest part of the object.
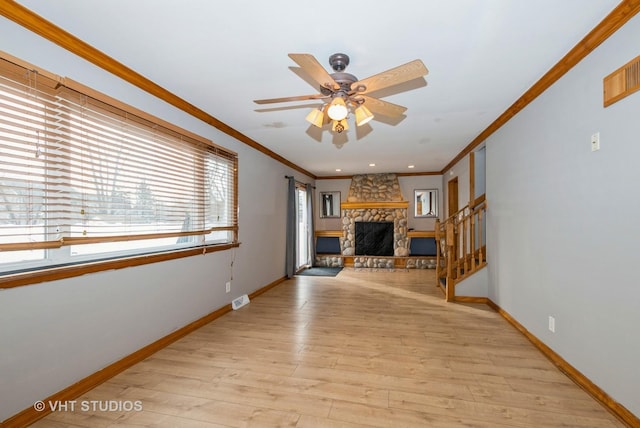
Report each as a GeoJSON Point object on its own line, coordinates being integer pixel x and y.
{"type": "Point", "coordinates": [462, 247]}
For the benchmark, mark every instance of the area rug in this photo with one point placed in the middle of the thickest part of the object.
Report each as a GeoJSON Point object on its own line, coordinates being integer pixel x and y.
{"type": "Point", "coordinates": [320, 271]}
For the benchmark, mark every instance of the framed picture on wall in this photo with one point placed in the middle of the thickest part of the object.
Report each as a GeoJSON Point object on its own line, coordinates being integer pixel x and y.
{"type": "Point", "coordinates": [329, 204]}
{"type": "Point", "coordinates": [425, 203]}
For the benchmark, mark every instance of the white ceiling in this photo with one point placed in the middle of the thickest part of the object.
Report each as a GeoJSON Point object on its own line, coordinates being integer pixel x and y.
{"type": "Point", "coordinates": [482, 55]}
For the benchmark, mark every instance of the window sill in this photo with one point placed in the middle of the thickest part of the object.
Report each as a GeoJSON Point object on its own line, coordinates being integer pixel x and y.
{"type": "Point", "coordinates": [56, 273]}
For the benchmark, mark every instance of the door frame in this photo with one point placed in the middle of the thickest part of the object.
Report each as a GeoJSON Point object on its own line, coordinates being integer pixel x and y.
{"type": "Point", "coordinates": [452, 196]}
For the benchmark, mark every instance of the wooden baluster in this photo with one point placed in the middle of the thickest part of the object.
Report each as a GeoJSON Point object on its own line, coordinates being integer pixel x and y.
{"type": "Point", "coordinates": [438, 255]}
{"type": "Point", "coordinates": [464, 269]}
{"type": "Point", "coordinates": [450, 258]}
{"type": "Point", "coordinates": [480, 236]}
{"type": "Point", "coordinates": [472, 237]}
{"type": "Point", "coordinates": [446, 257]}
{"type": "Point", "coordinates": [450, 281]}
{"type": "Point", "coordinates": [461, 250]}
{"type": "Point", "coordinates": [457, 249]}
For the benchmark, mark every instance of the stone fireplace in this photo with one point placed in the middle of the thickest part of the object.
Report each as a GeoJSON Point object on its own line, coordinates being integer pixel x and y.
{"type": "Point", "coordinates": [374, 198]}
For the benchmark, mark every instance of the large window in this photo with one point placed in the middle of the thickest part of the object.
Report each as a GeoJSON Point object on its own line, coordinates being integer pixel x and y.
{"type": "Point", "coordinates": [83, 177]}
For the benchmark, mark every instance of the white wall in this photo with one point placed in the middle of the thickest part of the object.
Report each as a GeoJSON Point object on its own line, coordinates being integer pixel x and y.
{"type": "Point", "coordinates": [54, 334]}
{"type": "Point", "coordinates": [563, 230]}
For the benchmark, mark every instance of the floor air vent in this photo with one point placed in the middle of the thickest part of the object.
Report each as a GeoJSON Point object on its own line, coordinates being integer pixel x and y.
{"type": "Point", "coordinates": [240, 302]}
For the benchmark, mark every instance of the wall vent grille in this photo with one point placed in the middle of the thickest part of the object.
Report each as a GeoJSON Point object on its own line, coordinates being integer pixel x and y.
{"type": "Point", "coordinates": [622, 82]}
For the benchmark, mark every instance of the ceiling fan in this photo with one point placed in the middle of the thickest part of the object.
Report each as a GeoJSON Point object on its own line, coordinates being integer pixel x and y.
{"type": "Point", "coordinates": [343, 92]}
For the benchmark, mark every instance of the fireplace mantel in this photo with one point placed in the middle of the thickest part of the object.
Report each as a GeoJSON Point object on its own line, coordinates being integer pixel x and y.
{"type": "Point", "coordinates": [374, 204]}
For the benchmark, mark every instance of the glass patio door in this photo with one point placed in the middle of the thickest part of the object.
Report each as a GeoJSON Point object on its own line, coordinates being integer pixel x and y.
{"type": "Point", "coordinates": [302, 250]}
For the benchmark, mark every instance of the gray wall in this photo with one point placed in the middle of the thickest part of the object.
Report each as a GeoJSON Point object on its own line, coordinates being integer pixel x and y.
{"type": "Point", "coordinates": [563, 230]}
{"type": "Point", "coordinates": [462, 172]}
{"type": "Point", "coordinates": [54, 334]}
{"type": "Point", "coordinates": [336, 185]}
{"type": "Point", "coordinates": [407, 185]}
{"type": "Point", "coordinates": [480, 172]}
{"type": "Point", "coordinates": [415, 182]}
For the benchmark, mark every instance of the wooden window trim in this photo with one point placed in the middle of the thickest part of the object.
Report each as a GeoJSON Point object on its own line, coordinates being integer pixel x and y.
{"type": "Point", "coordinates": [62, 272]}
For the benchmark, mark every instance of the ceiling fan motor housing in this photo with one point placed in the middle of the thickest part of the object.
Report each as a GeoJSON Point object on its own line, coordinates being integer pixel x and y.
{"type": "Point", "coordinates": [344, 80]}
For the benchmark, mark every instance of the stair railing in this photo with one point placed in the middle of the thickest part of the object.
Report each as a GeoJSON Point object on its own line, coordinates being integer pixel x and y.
{"type": "Point", "coordinates": [461, 246]}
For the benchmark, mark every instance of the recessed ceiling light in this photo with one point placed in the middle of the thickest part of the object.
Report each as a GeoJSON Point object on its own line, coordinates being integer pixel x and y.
{"type": "Point", "coordinates": [411, 166]}
{"type": "Point", "coordinates": [338, 170]}
{"type": "Point", "coordinates": [372, 164]}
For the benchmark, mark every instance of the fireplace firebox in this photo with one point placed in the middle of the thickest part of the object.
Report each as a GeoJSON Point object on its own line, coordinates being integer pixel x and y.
{"type": "Point", "coordinates": [374, 238]}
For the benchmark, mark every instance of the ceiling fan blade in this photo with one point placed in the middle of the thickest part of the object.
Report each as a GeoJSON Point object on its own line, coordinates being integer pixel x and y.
{"type": "Point", "coordinates": [403, 73]}
{"type": "Point", "coordinates": [312, 67]}
{"type": "Point", "coordinates": [287, 99]}
{"type": "Point", "coordinates": [384, 108]}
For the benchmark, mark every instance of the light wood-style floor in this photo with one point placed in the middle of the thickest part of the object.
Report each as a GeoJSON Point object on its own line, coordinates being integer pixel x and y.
{"type": "Point", "coordinates": [366, 348]}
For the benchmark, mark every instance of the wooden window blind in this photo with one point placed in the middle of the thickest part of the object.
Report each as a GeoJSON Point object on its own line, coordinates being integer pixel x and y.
{"type": "Point", "coordinates": [84, 175]}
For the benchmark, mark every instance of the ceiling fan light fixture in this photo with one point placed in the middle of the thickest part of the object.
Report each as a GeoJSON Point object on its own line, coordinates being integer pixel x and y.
{"type": "Point", "coordinates": [339, 126]}
{"type": "Point", "coordinates": [338, 109]}
{"type": "Point", "coordinates": [343, 93]}
{"type": "Point", "coordinates": [316, 117]}
{"type": "Point", "coordinates": [363, 115]}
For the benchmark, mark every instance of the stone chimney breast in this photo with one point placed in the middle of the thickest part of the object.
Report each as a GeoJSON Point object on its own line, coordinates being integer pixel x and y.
{"type": "Point", "coordinates": [375, 188]}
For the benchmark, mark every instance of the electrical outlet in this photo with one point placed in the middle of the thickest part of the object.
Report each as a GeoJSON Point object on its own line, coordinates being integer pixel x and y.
{"type": "Point", "coordinates": [228, 286]}
{"type": "Point", "coordinates": [595, 142]}
{"type": "Point", "coordinates": [552, 324]}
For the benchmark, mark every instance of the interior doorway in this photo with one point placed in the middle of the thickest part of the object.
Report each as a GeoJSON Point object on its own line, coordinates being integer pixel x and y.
{"type": "Point", "coordinates": [452, 192]}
